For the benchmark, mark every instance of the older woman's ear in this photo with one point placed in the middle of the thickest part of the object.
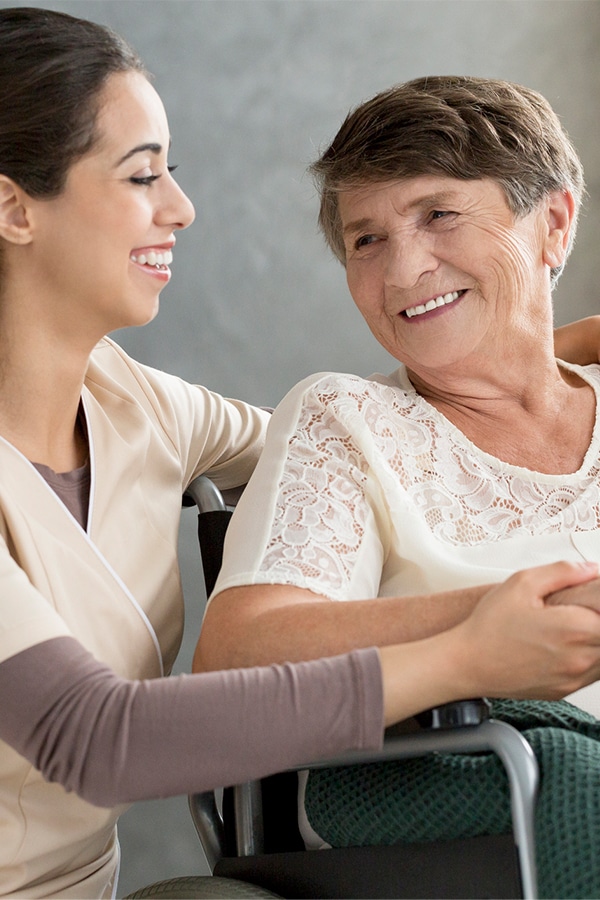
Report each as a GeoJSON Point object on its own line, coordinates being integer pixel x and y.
{"type": "Point", "coordinates": [560, 215]}
{"type": "Point", "coordinates": [14, 216]}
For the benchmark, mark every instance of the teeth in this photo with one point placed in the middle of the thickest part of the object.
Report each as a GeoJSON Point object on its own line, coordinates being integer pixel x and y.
{"type": "Point", "coordinates": [442, 300]}
{"type": "Point", "coordinates": [153, 258]}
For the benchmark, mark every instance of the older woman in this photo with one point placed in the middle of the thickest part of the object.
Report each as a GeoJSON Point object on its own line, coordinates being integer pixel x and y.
{"type": "Point", "coordinates": [452, 203]}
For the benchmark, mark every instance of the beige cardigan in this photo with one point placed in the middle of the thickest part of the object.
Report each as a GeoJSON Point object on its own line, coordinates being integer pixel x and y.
{"type": "Point", "coordinates": [115, 588]}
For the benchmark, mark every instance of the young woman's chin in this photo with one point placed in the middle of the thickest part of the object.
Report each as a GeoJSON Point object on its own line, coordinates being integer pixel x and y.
{"type": "Point", "coordinates": [137, 317]}
{"type": "Point", "coordinates": [149, 316]}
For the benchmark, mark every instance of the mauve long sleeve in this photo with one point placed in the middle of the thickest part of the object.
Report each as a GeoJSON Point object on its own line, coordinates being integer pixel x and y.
{"type": "Point", "coordinates": [115, 741]}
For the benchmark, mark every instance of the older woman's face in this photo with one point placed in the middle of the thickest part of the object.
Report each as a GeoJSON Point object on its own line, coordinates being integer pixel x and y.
{"type": "Point", "coordinates": [441, 269]}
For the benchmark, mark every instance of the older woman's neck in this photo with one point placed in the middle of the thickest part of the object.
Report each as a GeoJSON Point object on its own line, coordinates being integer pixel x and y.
{"type": "Point", "coordinates": [541, 419]}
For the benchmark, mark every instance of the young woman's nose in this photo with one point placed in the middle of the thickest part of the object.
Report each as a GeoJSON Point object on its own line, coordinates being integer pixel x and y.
{"type": "Point", "coordinates": [176, 208]}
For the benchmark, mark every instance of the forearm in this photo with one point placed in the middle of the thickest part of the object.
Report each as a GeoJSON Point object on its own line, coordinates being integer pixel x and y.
{"type": "Point", "coordinates": [579, 342]}
{"type": "Point", "coordinates": [115, 741]}
{"type": "Point", "coordinates": [262, 624]}
{"type": "Point", "coordinates": [423, 674]}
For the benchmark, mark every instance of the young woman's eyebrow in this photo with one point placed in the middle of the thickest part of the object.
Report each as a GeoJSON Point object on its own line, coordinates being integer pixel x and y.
{"type": "Point", "coordinates": [142, 148]}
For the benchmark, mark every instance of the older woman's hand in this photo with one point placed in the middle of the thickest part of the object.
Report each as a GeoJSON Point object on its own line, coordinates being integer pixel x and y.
{"type": "Point", "coordinates": [512, 645]}
{"type": "Point", "coordinates": [516, 644]}
{"type": "Point", "coordinates": [587, 595]}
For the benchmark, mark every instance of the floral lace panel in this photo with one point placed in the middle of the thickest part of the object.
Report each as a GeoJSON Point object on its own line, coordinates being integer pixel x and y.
{"type": "Point", "coordinates": [468, 498]}
{"type": "Point", "coordinates": [321, 511]}
{"type": "Point", "coordinates": [349, 427]}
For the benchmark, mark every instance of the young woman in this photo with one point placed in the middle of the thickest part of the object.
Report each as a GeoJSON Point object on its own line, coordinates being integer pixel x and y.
{"type": "Point", "coordinates": [95, 451]}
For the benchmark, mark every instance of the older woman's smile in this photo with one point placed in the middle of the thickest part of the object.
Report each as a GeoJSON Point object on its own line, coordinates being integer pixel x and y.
{"type": "Point", "coordinates": [433, 304]}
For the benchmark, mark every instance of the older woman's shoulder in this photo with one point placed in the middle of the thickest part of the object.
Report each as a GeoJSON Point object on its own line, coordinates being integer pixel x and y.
{"type": "Point", "coordinates": [398, 379]}
{"type": "Point", "coordinates": [336, 389]}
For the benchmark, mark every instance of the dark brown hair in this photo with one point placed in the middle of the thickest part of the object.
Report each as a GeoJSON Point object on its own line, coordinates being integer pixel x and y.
{"type": "Point", "coordinates": [52, 69]}
{"type": "Point", "coordinates": [457, 126]}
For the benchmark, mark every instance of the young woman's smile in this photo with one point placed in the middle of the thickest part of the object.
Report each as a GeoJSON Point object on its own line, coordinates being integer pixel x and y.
{"type": "Point", "coordinates": [154, 261]}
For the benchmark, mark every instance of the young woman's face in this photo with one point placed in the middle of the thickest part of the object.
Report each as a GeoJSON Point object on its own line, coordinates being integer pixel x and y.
{"type": "Point", "coordinates": [103, 247]}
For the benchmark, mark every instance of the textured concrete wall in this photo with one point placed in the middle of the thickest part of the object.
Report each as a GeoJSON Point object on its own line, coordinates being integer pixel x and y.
{"type": "Point", "coordinates": [253, 88]}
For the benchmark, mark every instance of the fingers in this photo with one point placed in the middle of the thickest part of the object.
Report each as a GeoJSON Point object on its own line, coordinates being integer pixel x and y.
{"type": "Point", "coordinates": [511, 645]}
{"type": "Point", "coordinates": [540, 581]}
{"type": "Point", "coordinates": [521, 647]}
{"type": "Point", "coordinates": [587, 594]}
{"type": "Point", "coordinates": [560, 575]}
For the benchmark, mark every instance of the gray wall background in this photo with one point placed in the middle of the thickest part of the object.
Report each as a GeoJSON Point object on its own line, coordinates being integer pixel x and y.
{"type": "Point", "coordinates": [253, 89]}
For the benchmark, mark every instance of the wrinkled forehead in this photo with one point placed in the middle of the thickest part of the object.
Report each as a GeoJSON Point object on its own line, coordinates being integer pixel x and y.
{"type": "Point", "coordinates": [408, 196]}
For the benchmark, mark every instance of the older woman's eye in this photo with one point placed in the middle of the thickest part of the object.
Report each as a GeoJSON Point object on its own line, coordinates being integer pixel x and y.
{"type": "Point", "coordinates": [364, 240]}
{"type": "Point", "coordinates": [437, 214]}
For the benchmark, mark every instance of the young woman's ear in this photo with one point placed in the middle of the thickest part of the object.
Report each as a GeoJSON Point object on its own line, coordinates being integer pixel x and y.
{"type": "Point", "coordinates": [560, 214]}
{"type": "Point", "coordinates": [14, 213]}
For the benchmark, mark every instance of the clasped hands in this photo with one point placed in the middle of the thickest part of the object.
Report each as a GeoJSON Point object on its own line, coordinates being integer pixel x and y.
{"type": "Point", "coordinates": [586, 594]}
{"type": "Point", "coordinates": [538, 633]}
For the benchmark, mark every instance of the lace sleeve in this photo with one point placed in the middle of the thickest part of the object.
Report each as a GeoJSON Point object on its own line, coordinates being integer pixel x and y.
{"type": "Point", "coordinates": [323, 534]}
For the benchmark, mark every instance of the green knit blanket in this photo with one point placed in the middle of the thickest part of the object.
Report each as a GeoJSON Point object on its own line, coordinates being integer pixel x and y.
{"type": "Point", "coordinates": [444, 796]}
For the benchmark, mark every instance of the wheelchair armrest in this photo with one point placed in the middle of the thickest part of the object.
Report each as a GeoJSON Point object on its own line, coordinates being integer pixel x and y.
{"type": "Point", "coordinates": [488, 735]}
{"type": "Point", "coordinates": [458, 714]}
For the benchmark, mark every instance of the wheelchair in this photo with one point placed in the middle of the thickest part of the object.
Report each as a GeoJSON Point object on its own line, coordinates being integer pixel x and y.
{"type": "Point", "coordinates": [249, 832]}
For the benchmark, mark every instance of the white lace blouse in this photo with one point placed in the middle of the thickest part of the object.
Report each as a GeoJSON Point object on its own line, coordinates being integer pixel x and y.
{"type": "Point", "coordinates": [364, 489]}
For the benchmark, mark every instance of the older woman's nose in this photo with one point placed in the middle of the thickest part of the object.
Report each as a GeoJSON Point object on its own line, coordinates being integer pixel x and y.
{"type": "Point", "coordinates": [408, 259]}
